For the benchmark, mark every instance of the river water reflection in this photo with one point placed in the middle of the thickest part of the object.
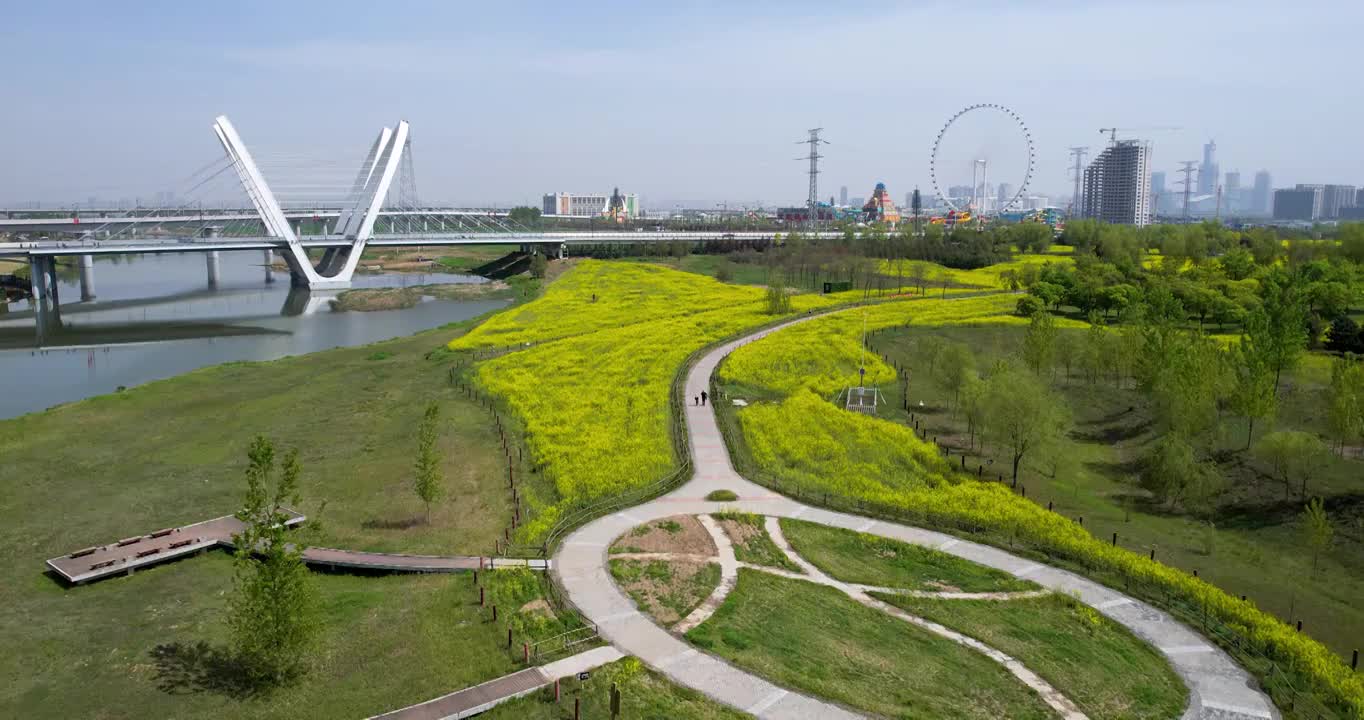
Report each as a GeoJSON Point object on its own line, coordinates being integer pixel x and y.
{"type": "Point", "coordinates": [154, 316]}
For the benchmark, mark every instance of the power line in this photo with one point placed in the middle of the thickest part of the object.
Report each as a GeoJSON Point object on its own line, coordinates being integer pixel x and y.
{"type": "Point", "coordinates": [1188, 169]}
{"type": "Point", "coordinates": [813, 200]}
{"type": "Point", "coordinates": [1078, 153]}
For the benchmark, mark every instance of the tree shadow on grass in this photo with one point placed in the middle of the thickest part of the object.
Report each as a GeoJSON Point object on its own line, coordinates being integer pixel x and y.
{"type": "Point", "coordinates": [401, 524]}
{"type": "Point", "coordinates": [193, 668]}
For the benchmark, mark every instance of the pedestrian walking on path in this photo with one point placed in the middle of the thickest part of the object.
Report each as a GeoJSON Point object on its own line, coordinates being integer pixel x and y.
{"type": "Point", "coordinates": [703, 397]}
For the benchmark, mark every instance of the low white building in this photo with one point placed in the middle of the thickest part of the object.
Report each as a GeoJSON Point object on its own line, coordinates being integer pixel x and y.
{"type": "Point", "coordinates": [586, 205]}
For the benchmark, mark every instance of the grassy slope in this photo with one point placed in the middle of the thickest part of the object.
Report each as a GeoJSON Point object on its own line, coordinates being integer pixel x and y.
{"type": "Point", "coordinates": [643, 694]}
{"type": "Point", "coordinates": [1104, 669]}
{"type": "Point", "coordinates": [816, 639]}
{"type": "Point", "coordinates": [1257, 546]}
{"type": "Point", "coordinates": [871, 560]}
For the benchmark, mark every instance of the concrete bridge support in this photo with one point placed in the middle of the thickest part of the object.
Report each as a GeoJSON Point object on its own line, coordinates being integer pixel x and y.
{"type": "Point", "coordinates": [269, 266]}
{"type": "Point", "coordinates": [213, 267]}
{"type": "Point", "coordinates": [37, 277]}
{"type": "Point", "coordinates": [87, 267]}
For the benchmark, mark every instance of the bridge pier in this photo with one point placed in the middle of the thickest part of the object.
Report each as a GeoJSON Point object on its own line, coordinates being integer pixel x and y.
{"type": "Point", "coordinates": [563, 248]}
{"type": "Point", "coordinates": [213, 267]}
{"type": "Point", "coordinates": [87, 266]}
{"type": "Point", "coordinates": [37, 278]}
{"type": "Point", "coordinates": [269, 266]}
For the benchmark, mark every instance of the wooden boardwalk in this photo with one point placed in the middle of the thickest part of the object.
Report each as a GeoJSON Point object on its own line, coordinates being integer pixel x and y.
{"type": "Point", "coordinates": [125, 556]}
{"type": "Point", "coordinates": [480, 698]}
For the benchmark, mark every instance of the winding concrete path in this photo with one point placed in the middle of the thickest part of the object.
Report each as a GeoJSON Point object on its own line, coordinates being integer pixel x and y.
{"type": "Point", "coordinates": [1218, 688]}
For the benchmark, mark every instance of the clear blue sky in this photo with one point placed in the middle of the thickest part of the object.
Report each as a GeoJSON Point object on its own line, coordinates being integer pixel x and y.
{"type": "Point", "coordinates": [695, 103]}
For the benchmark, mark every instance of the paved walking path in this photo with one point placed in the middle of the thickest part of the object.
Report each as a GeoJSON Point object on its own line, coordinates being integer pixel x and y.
{"type": "Point", "coordinates": [1218, 688]}
{"type": "Point", "coordinates": [481, 698]}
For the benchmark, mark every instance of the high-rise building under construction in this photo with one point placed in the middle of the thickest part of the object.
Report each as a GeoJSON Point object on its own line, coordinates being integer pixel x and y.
{"type": "Point", "coordinates": [1118, 185]}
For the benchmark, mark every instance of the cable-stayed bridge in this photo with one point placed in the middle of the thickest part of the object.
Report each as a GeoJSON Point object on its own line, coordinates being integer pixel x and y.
{"type": "Point", "coordinates": [377, 207]}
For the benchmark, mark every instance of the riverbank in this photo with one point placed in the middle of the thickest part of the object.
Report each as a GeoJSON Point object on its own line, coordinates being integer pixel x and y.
{"type": "Point", "coordinates": [371, 299]}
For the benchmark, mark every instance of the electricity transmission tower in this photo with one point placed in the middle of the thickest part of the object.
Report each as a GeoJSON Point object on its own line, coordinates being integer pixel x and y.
{"type": "Point", "coordinates": [813, 201]}
{"type": "Point", "coordinates": [1188, 169]}
{"type": "Point", "coordinates": [1078, 153]}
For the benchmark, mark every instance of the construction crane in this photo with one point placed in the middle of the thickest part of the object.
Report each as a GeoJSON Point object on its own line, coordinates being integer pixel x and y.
{"type": "Point", "coordinates": [1113, 131]}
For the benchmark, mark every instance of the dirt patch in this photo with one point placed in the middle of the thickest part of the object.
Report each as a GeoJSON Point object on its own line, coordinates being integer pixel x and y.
{"type": "Point", "coordinates": [941, 586]}
{"type": "Point", "coordinates": [678, 534]}
{"type": "Point", "coordinates": [666, 589]}
{"type": "Point", "coordinates": [739, 532]}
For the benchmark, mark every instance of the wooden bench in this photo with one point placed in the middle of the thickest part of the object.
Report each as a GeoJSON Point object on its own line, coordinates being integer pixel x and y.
{"type": "Point", "coordinates": [104, 564]}
{"type": "Point", "coordinates": [129, 541]}
{"type": "Point", "coordinates": [161, 533]}
{"type": "Point", "coordinates": [182, 543]}
{"type": "Point", "coordinates": [148, 551]}
{"type": "Point", "coordinates": [83, 553]}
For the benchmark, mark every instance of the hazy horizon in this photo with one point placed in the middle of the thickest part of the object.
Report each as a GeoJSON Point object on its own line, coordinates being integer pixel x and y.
{"type": "Point", "coordinates": [693, 105]}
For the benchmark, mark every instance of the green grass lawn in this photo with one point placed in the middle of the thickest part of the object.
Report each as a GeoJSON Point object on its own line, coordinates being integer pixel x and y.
{"type": "Point", "coordinates": [872, 560]}
{"type": "Point", "coordinates": [643, 694]}
{"type": "Point", "coordinates": [1256, 545]}
{"type": "Point", "coordinates": [817, 640]}
{"type": "Point", "coordinates": [1095, 662]}
{"type": "Point", "coordinates": [152, 645]}
{"type": "Point", "coordinates": [666, 590]}
{"type": "Point", "coordinates": [751, 542]}
{"type": "Point", "coordinates": [173, 452]}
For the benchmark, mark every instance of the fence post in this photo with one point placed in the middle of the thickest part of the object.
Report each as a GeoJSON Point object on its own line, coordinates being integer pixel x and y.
{"type": "Point", "coordinates": [1354, 660]}
{"type": "Point", "coordinates": [556, 690]}
{"type": "Point", "coordinates": [509, 638]}
{"type": "Point", "coordinates": [495, 614]}
{"type": "Point", "coordinates": [1153, 553]}
{"type": "Point", "coordinates": [1115, 539]}
{"type": "Point", "coordinates": [1299, 626]}
{"type": "Point", "coordinates": [480, 596]}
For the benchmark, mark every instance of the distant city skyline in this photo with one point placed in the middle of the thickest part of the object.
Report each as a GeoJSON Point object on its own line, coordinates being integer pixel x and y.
{"type": "Point", "coordinates": [698, 104]}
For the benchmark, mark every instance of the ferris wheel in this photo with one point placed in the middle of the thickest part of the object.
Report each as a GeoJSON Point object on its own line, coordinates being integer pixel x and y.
{"type": "Point", "coordinates": [980, 142]}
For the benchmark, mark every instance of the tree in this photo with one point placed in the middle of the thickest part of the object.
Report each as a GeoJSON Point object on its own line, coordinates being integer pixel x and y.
{"type": "Point", "coordinates": [1345, 400]}
{"type": "Point", "coordinates": [1278, 329]}
{"type": "Point", "coordinates": [1023, 414]}
{"type": "Point", "coordinates": [778, 301]}
{"type": "Point", "coordinates": [1027, 306]}
{"type": "Point", "coordinates": [1252, 386]}
{"type": "Point", "coordinates": [1039, 344]}
{"type": "Point", "coordinates": [428, 479]}
{"type": "Point", "coordinates": [959, 364]}
{"type": "Point", "coordinates": [1176, 476]}
{"type": "Point", "coordinates": [273, 610]}
{"type": "Point", "coordinates": [1317, 528]}
{"type": "Point", "coordinates": [1292, 455]}
{"type": "Point", "coordinates": [525, 215]}
{"type": "Point", "coordinates": [973, 405]}
{"type": "Point", "coordinates": [539, 265]}
{"type": "Point", "coordinates": [1345, 336]}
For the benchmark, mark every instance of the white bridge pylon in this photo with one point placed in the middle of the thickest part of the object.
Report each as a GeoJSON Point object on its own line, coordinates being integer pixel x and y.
{"type": "Point", "coordinates": [356, 223]}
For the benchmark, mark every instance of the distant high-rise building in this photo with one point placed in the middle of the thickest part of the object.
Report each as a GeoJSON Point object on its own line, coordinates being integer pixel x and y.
{"type": "Point", "coordinates": [856, 201]}
{"type": "Point", "coordinates": [1334, 198]}
{"type": "Point", "coordinates": [1231, 192]}
{"type": "Point", "coordinates": [1359, 197]}
{"type": "Point", "coordinates": [959, 193]}
{"type": "Point", "coordinates": [1262, 196]}
{"type": "Point", "coordinates": [1157, 191]}
{"type": "Point", "coordinates": [1300, 203]}
{"type": "Point", "coordinates": [1006, 193]}
{"type": "Point", "coordinates": [843, 196]}
{"type": "Point", "coordinates": [1118, 185]}
{"type": "Point", "coordinates": [909, 199]}
{"type": "Point", "coordinates": [1208, 171]}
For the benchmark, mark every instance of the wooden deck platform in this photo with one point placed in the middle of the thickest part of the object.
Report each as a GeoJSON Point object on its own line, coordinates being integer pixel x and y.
{"type": "Point", "coordinates": [124, 556]}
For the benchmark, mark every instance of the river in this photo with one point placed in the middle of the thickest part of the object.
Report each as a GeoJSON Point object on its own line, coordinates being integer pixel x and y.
{"type": "Point", "coordinates": [154, 316]}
